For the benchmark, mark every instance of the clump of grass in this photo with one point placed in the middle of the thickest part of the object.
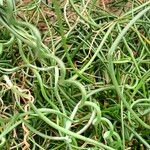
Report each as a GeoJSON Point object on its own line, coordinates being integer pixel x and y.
{"type": "Point", "coordinates": [87, 87]}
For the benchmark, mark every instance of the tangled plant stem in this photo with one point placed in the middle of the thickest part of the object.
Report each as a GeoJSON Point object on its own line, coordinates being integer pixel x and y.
{"type": "Point", "coordinates": [87, 89]}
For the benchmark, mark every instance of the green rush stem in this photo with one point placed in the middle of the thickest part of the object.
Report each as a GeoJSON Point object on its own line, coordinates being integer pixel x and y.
{"type": "Point", "coordinates": [111, 66]}
{"type": "Point", "coordinates": [135, 9]}
{"type": "Point", "coordinates": [37, 75]}
{"type": "Point", "coordinates": [138, 136]}
{"type": "Point", "coordinates": [9, 128]}
{"type": "Point", "coordinates": [44, 135]}
{"type": "Point", "coordinates": [80, 87]}
{"type": "Point", "coordinates": [122, 125]}
{"type": "Point", "coordinates": [59, 18]}
{"type": "Point", "coordinates": [57, 127]}
{"type": "Point", "coordinates": [76, 69]}
{"type": "Point", "coordinates": [84, 18]}
{"type": "Point", "coordinates": [96, 52]}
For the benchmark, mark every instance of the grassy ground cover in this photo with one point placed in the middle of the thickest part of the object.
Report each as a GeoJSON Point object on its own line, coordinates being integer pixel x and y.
{"type": "Point", "coordinates": [74, 74]}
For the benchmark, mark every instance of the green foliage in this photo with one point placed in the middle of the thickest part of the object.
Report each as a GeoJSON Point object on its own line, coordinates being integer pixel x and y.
{"type": "Point", "coordinates": [81, 82]}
